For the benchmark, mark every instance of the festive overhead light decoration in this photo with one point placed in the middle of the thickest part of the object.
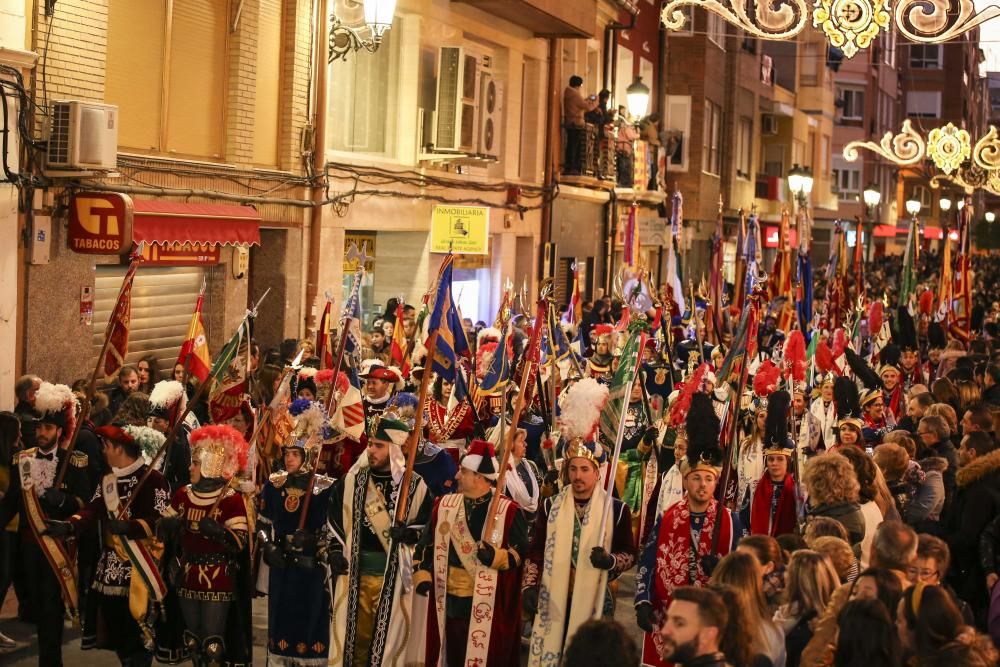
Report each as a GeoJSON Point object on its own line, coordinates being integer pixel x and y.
{"type": "Point", "coordinates": [849, 25]}
{"type": "Point", "coordinates": [986, 152]}
{"type": "Point", "coordinates": [949, 147]}
{"type": "Point", "coordinates": [904, 149]}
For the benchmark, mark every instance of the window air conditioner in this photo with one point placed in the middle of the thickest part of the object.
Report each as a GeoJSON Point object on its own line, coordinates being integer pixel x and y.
{"type": "Point", "coordinates": [83, 136]}
{"type": "Point", "coordinates": [490, 121]}
{"type": "Point", "coordinates": [768, 125]}
{"type": "Point", "coordinates": [456, 124]}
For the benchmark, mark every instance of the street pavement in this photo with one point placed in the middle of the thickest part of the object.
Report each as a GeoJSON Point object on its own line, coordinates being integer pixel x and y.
{"type": "Point", "coordinates": [26, 653]}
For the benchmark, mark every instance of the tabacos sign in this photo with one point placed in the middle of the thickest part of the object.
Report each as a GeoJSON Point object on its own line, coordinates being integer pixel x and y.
{"type": "Point", "coordinates": [100, 223]}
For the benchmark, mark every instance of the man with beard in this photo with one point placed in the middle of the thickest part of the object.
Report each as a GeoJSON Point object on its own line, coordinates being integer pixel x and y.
{"type": "Point", "coordinates": [873, 410]}
{"type": "Point", "coordinates": [475, 578]}
{"type": "Point", "coordinates": [128, 383]}
{"type": "Point", "coordinates": [693, 629]}
{"type": "Point", "coordinates": [115, 618]}
{"type": "Point", "coordinates": [690, 537]}
{"type": "Point", "coordinates": [599, 364]}
{"type": "Point", "coordinates": [34, 498]}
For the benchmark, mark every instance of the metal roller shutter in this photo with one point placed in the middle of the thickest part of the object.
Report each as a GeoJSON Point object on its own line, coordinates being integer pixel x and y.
{"type": "Point", "coordinates": [163, 299]}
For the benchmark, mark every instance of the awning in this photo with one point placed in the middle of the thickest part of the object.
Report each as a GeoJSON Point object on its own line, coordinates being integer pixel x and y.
{"type": "Point", "coordinates": [158, 221]}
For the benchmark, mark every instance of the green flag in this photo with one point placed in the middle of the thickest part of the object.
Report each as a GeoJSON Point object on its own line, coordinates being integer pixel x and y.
{"type": "Point", "coordinates": [908, 279]}
{"type": "Point", "coordinates": [621, 385]}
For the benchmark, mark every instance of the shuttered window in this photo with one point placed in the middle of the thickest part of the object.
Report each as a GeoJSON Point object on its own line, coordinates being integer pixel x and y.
{"type": "Point", "coordinates": [268, 95]}
{"type": "Point", "coordinates": [163, 299]}
{"type": "Point", "coordinates": [134, 79]}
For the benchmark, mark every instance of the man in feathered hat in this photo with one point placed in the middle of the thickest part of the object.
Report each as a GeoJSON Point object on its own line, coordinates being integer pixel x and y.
{"type": "Point", "coordinates": [293, 509]}
{"type": "Point", "coordinates": [167, 402]}
{"type": "Point", "coordinates": [570, 562]}
{"type": "Point", "coordinates": [127, 584]}
{"type": "Point", "coordinates": [774, 508]}
{"type": "Point", "coordinates": [371, 554]}
{"type": "Point", "coordinates": [381, 382]}
{"type": "Point", "coordinates": [213, 525]}
{"type": "Point", "coordinates": [472, 579]}
{"type": "Point", "coordinates": [691, 536]}
{"type": "Point", "coordinates": [33, 496]}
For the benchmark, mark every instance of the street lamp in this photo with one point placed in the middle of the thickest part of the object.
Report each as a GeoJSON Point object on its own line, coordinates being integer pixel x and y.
{"type": "Point", "coordinates": [872, 198]}
{"type": "Point", "coordinates": [913, 207]}
{"type": "Point", "coordinates": [990, 216]}
{"type": "Point", "coordinates": [345, 39]}
{"type": "Point", "coordinates": [961, 204]}
{"type": "Point", "coordinates": [637, 99]}
{"type": "Point", "coordinates": [800, 182]}
{"type": "Point", "coordinates": [945, 204]}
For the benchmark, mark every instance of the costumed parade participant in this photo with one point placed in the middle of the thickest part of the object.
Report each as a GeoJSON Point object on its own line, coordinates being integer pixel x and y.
{"type": "Point", "coordinates": [911, 371]}
{"type": "Point", "coordinates": [876, 423]}
{"type": "Point", "coordinates": [449, 424]}
{"type": "Point", "coordinates": [167, 402]}
{"type": "Point", "coordinates": [343, 439]}
{"type": "Point", "coordinates": [127, 585]}
{"type": "Point", "coordinates": [213, 525]}
{"type": "Point", "coordinates": [824, 410]}
{"type": "Point", "coordinates": [381, 382]}
{"type": "Point", "coordinates": [600, 364]}
{"type": "Point", "coordinates": [570, 564]}
{"type": "Point", "coordinates": [292, 515]}
{"type": "Point", "coordinates": [850, 426]}
{"type": "Point", "coordinates": [750, 458]}
{"type": "Point", "coordinates": [691, 535]}
{"type": "Point", "coordinates": [521, 483]}
{"type": "Point", "coordinates": [371, 555]}
{"type": "Point", "coordinates": [434, 465]}
{"type": "Point", "coordinates": [892, 389]}
{"type": "Point", "coordinates": [49, 569]}
{"type": "Point", "coordinates": [472, 579]}
{"type": "Point", "coordinates": [774, 508]}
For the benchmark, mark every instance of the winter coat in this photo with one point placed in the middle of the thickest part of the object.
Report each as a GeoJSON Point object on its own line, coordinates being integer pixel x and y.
{"type": "Point", "coordinates": [977, 503]}
{"type": "Point", "coordinates": [927, 502]}
{"type": "Point", "coordinates": [850, 517]}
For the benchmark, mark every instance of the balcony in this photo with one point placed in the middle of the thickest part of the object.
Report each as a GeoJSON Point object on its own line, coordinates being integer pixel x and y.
{"type": "Point", "coordinates": [544, 18]}
{"type": "Point", "coordinates": [607, 161]}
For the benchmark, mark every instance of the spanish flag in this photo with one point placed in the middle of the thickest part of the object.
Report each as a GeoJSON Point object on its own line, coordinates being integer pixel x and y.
{"type": "Point", "coordinates": [194, 352]}
{"type": "Point", "coordinates": [397, 351]}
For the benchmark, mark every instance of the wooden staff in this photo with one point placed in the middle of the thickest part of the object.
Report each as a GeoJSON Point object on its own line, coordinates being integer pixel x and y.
{"type": "Point", "coordinates": [413, 441]}
{"type": "Point", "coordinates": [530, 357]}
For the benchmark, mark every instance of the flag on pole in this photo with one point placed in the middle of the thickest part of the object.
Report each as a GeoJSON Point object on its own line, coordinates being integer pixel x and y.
{"type": "Point", "coordinates": [451, 340]}
{"type": "Point", "coordinates": [908, 278]}
{"type": "Point", "coordinates": [716, 278]}
{"type": "Point", "coordinates": [621, 384]}
{"type": "Point", "coordinates": [231, 372]}
{"type": "Point", "coordinates": [194, 355]}
{"type": "Point", "coordinates": [497, 375]}
{"type": "Point", "coordinates": [118, 326]}
{"type": "Point", "coordinates": [574, 314]}
{"type": "Point", "coordinates": [324, 341]}
{"type": "Point", "coordinates": [631, 251]}
{"type": "Point", "coordinates": [397, 350]}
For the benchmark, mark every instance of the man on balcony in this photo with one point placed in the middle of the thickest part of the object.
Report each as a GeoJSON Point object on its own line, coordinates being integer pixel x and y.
{"type": "Point", "coordinates": [575, 105]}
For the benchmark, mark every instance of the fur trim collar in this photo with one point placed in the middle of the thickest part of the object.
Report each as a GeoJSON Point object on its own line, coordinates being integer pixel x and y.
{"type": "Point", "coordinates": [978, 468]}
{"type": "Point", "coordinates": [938, 463]}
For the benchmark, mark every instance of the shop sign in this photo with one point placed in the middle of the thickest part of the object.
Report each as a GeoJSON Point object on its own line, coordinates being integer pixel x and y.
{"type": "Point", "coordinates": [772, 236]}
{"type": "Point", "coordinates": [364, 242]}
{"type": "Point", "coordinates": [460, 229]}
{"type": "Point", "coordinates": [180, 253]}
{"type": "Point", "coordinates": [100, 223]}
{"type": "Point", "coordinates": [653, 231]}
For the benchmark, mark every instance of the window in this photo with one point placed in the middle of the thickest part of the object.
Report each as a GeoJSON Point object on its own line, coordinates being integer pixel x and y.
{"type": "Point", "coordinates": [847, 183]}
{"type": "Point", "coordinates": [717, 30]}
{"type": "Point", "coordinates": [267, 96]}
{"type": "Point", "coordinates": [923, 104]}
{"type": "Point", "coordinates": [170, 94]}
{"type": "Point", "coordinates": [710, 139]}
{"type": "Point", "coordinates": [744, 146]}
{"type": "Point", "coordinates": [923, 195]}
{"type": "Point", "coordinates": [677, 124]}
{"type": "Point", "coordinates": [824, 155]}
{"type": "Point", "coordinates": [774, 160]}
{"type": "Point", "coordinates": [889, 48]}
{"type": "Point", "coordinates": [363, 100]}
{"type": "Point", "coordinates": [810, 64]}
{"type": "Point", "coordinates": [853, 103]}
{"type": "Point", "coordinates": [925, 56]}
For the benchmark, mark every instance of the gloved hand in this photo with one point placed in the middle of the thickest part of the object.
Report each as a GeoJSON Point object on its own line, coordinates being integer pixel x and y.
{"type": "Point", "coordinates": [529, 601]}
{"type": "Point", "coordinates": [53, 499]}
{"type": "Point", "coordinates": [404, 535]}
{"type": "Point", "coordinates": [644, 616]}
{"type": "Point", "coordinates": [57, 528]}
{"type": "Point", "coordinates": [338, 563]}
{"type": "Point", "coordinates": [649, 437]}
{"type": "Point", "coordinates": [424, 588]}
{"type": "Point", "coordinates": [272, 555]}
{"type": "Point", "coordinates": [118, 527]}
{"type": "Point", "coordinates": [601, 559]}
{"type": "Point", "coordinates": [486, 554]}
{"type": "Point", "coordinates": [302, 539]}
{"type": "Point", "coordinates": [212, 529]}
{"type": "Point", "coordinates": [551, 477]}
{"type": "Point", "coordinates": [167, 527]}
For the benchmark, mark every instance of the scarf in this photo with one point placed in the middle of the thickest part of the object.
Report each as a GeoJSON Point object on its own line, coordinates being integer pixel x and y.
{"type": "Point", "coordinates": [525, 495]}
{"type": "Point", "coordinates": [760, 508]}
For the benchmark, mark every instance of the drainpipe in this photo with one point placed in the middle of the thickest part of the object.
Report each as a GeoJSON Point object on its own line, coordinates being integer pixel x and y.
{"type": "Point", "coordinates": [321, 38]}
{"type": "Point", "coordinates": [552, 152]}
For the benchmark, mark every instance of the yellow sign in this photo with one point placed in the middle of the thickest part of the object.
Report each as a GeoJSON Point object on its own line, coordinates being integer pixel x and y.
{"type": "Point", "coordinates": [366, 241]}
{"type": "Point", "coordinates": [460, 229]}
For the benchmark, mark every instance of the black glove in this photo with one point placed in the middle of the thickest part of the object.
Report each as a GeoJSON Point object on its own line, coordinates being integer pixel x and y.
{"type": "Point", "coordinates": [644, 616]}
{"type": "Point", "coordinates": [167, 527]}
{"type": "Point", "coordinates": [404, 534]}
{"type": "Point", "coordinates": [118, 527]}
{"type": "Point", "coordinates": [338, 564]}
{"type": "Point", "coordinates": [57, 528]}
{"type": "Point", "coordinates": [303, 539]}
{"type": "Point", "coordinates": [649, 437]}
{"type": "Point", "coordinates": [551, 477]}
{"type": "Point", "coordinates": [529, 601]}
{"type": "Point", "coordinates": [272, 555]}
{"type": "Point", "coordinates": [53, 498]}
{"type": "Point", "coordinates": [601, 559]}
{"type": "Point", "coordinates": [424, 588]}
{"type": "Point", "coordinates": [212, 529]}
{"type": "Point", "coordinates": [486, 554]}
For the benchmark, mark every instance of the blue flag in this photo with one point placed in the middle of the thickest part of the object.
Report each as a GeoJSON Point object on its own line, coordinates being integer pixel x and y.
{"type": "Point", "coordinates": [451, 340]}
{"type": "Point", "coordinates": [498, 374]}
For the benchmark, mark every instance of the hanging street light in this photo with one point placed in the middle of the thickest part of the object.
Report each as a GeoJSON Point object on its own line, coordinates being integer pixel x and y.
{"type": "Point", "coordinates": [378, 16]}
{"type": "Point", "coordinates": [945, 204]}
{"type": "Point", "coordinates": [872, 198]}
{"type": "Point", "coordinates": [990, 216]}
{"type": "Point", "coordinates": [913, 207]}
{"type": "Point", "coordinates": [637, 99]}
{"type": "Point", "coordinates": [345, 39]}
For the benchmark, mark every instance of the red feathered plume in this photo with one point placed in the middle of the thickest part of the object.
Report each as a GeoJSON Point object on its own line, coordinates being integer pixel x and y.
{"type": "Point", "coordinates": [678, 413]}
{"type": "Point", "coordinates": [926, 306]}
{"type": "Point", "coordinates": [795, 356]}
{"type": "Point", "coordinates": [839, 343]}
{"type": "Point", "coordinates": [824, 358]}
{"type": "Point", "coordinates": [766, 379]}
{"type": "Point", "coordinates": [875, 317]}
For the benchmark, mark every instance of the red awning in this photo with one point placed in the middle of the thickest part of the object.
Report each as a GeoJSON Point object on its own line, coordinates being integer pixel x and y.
{"type": "Point", "coordinates": [158, 221]}
{"type": "Point", "coordinates": [933, 233]}
{"type": "Point", "coordinates": [888, 230]}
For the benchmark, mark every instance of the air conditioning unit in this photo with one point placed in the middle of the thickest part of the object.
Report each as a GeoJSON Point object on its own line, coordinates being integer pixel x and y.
{"type": "Point", "coordinates": [83, 136]}
{"type": "Point", "coordinates": [768, 125]}
{"type": "Point", "coordinates": [490, 121]}
{"type": "Point", "coordinates": [456, 124]}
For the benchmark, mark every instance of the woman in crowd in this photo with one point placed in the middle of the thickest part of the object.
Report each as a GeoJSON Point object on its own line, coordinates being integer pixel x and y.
{"type": "Point", "coordinates": [149, 373]}
{"type": "Point", "coordinates": [809, 582]}
{"type": "Point", "coordinates": [742, 571]}
{"type": "Point", "coordinates": [867, 637]}
{"type": "Point", "coordinates": [878, 584]}
{"type": "Point", "coordinates": [768, 553]}
{"type": "Point", "coordinates": [833, 491]}
{"type": "Point", "coordinates": [865, 471]}
{"type": "Point", "coordinates": [932, 633]}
